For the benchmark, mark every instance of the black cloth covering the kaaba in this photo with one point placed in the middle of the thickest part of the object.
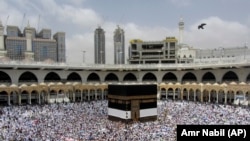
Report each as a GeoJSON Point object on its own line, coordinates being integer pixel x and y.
{"type": "Point", "coordinates": [132, 90]}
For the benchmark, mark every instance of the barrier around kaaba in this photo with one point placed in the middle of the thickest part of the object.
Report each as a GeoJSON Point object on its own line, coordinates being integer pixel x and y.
{"type": "Point", "coordinates": [136, 102]}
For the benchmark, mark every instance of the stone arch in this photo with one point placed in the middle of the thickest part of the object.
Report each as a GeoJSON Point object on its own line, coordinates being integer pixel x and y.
{"type": "Point", "coordinates": [74, 77]}
{"type": "Point", "coordinates": [98, 93]}
{"type": "Point", "coordinates": [149, 77]}
{"type": "Point", "coordinates": [129, 77]}
{"type": "Point", "coordinates": [85, 92]}
{"type": "Point", "coordinates": [111, 77]}
{"type": "Point", "coordinates": [34, 96]}
{"type": "Point", "coordinates": [78, 95]}
{"type": "Point", "coordinates": [24, 97]}
{"type": "Point", "coordinates": [27, 77]}
{"type": "Point", "coordinates": [163, 94]}
{"type": "Point", "coordinates": [248, 78]}
{"type": "Point", "coordinates": [91, 95]}
{"type": "Point", "coordinates": [192, 94]}
{"type": "Point", "coordinates": [5, 78]}
{"type": "Point", "coordinates": [185, 94]}
{"type": "Point", "coordinates": [205, 95]}
{"type": "Point", "coordinates": [43, 96]}
{"type": "Point", "coordinates": [105, 93]}
{"type": "Point", "coordinates": [221, 96]}
{"type": "Point", "coordinates": [189, 77]}
{"type": "Point", "coordinates": [213, 96]}
{"type": "Point", "coordinates": [230, 76]}
{"type": "Point", "coordinates": [3, 97]}
{"type": "Point", "coordinates": [93, 77]}
{"type": "Point", "coordinates": [52, 96]}
{"type": "Point", "coordinates": [208, 77]}
{"type": "Point", "coordinates": [178, 92]}
{"type": "Point", "coordinates": [169, 77]}
{"type": "Point", "coordinates": [170, 93]}
{"type": "Point", "coordinates": [52, 77]}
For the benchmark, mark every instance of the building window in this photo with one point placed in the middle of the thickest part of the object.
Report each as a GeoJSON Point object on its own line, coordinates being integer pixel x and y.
{"type": "Point", "coordinates": [18, 50]}
{"type": "Point", "coordinates": [12, 33]}
{"type": "Point", "coordinates": [45, 52]}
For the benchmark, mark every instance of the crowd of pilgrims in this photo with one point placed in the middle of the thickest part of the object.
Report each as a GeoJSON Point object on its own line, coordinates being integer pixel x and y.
{"type": "Point", "coordinates": [89, 121]}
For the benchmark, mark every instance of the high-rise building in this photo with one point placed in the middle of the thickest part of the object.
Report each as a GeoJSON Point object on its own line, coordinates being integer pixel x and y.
{"type": "Point", "coordinates": [119, 46]}
{"type": "Point", "coordinates": [60, 45]}
{"type": "Point", "coordinates": [32, 46]}
{"type": "Point", "coordinates": [99, 46]}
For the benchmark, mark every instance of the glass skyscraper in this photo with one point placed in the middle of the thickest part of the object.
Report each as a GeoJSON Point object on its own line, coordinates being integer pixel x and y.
{"type": "Point", "coordinates": [119, 46]}
{"type": "Point", "coordinates": [99, 46]}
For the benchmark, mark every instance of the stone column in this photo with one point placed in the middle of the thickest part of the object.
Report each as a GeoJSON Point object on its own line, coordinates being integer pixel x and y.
{"type": "Point", "coordinates": [217, 97]}
{"type": "Point", "coordinates": [225, 99]}
{"type": "Point", "coordinates": [39, 99]}
{"type": "Point", "coordinates": [209, 96]}
{"type": "Point", "coordinates": [19, 99]}
{"type": "Point", "coordinates": [166, 94]}
{"type": "Point", "coordinates": [74, 97]}
{"type": "Point", "coordinates": [96, 94]}
{"type": "Point", "coordinates": [201, 96]}
{"type": "Point", "coordinates": [244, 96]}
{"type": "Point", "coordinates": [181, 94]}
{"type": "Point", "coordinates": [194, 95]}
{"type": "Point", "coordinates": [174, 95]}
{"type": "Point", "coordinates": [102, 93]}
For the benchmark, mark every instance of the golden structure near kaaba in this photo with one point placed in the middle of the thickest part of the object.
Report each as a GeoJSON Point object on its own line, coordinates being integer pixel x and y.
{"type": "Point", "coordinates": [136, 102]}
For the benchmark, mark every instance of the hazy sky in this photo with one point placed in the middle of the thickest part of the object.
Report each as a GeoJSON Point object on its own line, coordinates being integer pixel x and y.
{"type": "Point", "coordinates": [228, 21]}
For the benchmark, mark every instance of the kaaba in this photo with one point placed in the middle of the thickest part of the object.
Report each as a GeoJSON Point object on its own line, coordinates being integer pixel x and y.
{"type": "Point", "coordinates": [132, 102]}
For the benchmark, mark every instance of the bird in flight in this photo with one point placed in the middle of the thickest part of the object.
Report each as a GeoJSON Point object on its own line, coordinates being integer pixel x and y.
{"type": "Point", "coordinates": [201, 26]}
